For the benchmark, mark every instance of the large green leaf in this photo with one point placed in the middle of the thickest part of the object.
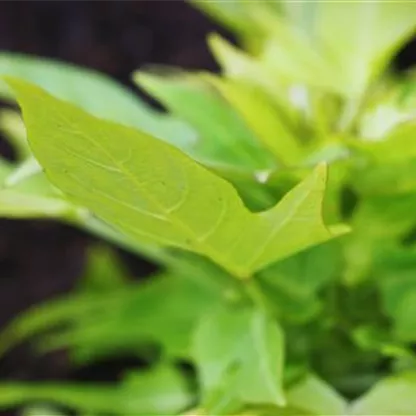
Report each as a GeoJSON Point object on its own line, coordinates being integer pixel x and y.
{"type": "Point", "coordinates": [94, 92]}
{"type": "Point", "coordinates": [153, 192]}
{"type": "Point", "coordinates": [244, 347]}
{"type": "Point", "coordinates": [162, 390]}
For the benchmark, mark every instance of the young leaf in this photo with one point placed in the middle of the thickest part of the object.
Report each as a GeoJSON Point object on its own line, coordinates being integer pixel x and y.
{"type": "Point", "coordinates": [263, 118]}
{"type": "Point", "coordinates": [150, 190]}
{"type": "Point", "coordinates": [239, 66]}
{"type": "Point", "coordinates": [380, 27]}
{"type": "Point", "coordinates": [295, 60]}
{"type": "Point", "coordinates": [248, 347]}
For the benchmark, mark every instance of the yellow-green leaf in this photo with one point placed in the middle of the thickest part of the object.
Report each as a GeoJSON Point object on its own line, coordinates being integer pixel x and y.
{"type": "Point", "coordinates": [152, 191]}
{"type": "Point", "coordinates": [263, 118]}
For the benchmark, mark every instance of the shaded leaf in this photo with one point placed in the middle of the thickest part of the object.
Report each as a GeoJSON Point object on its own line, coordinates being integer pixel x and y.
{"type": "Point", "coordinates": [292, 285]}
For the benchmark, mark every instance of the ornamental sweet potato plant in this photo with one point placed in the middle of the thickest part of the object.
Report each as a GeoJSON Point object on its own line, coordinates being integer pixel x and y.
{"type": "Point", "coordinates": [278, 199]}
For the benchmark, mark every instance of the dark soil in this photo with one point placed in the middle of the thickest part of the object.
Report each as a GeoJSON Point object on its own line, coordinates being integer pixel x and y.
{"type": "Point", "coordinates": [39, 260]}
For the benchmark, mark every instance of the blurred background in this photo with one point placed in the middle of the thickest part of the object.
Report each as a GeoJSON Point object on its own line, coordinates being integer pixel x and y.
{"type": "Point", "coordinates": [39, 260]}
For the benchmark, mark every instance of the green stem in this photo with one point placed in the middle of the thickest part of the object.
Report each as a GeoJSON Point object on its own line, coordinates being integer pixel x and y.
{"type": "Point", "coordinates": [255, 293]}
{"type": "Point", "coordinates": [95, 227]}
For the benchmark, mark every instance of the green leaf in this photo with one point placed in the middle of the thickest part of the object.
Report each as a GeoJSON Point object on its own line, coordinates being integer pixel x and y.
{"type": "Point", "coordinates": [397, 146]}
{"type": "Point", "coordinates": [161, 390]}
{"type": "Point", "coordinates": [93, 92]}
{"type": "Point", "coordinates": [117, 181]}
{"type": "Point", "coordinates": [245, 346]}
{"type": "Point", "coordinates": [223, 134]}
{"type": "Point", "coordinates": [99, 324]}
{"type": "Point", "coordinates": [240, 66]}
{"type": "Point", "coordinates": [380, 28]}
{"type": "Point", "coordinates": [391, 396]}
{"type": "Point", "coordinates": [292, 55]}
{"type": "Point", "coordinates": [313, 396]}
{"type": "Point", "coordinates": [291, 286]}
{"type": "Point", "coordinates": [395, 271]}
{"type": "Point", "coordinates": [263, 118]}
{"type": "Point", "coordinates": [105, 271]}
{"type": "Point", "coordinates": [238, 16]}
{"type": "Point", "coordinates": [375, 230]}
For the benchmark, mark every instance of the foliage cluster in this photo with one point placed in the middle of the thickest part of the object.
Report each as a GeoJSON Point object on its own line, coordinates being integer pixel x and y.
{"type": "Point", "coordinates": [277, 197]}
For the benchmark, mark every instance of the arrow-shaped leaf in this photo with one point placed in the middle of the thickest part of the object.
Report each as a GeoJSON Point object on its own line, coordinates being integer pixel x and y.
{"type": "Point", "coordinates": [151, 190]}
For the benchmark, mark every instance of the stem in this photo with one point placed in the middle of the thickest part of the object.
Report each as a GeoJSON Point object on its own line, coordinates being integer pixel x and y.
{"type": "Point", "coordinates": [102, 230]}
{"type": "Point", "coordinates": [255, 293]}
{"type": "Point", "coordinates": [349, 114]}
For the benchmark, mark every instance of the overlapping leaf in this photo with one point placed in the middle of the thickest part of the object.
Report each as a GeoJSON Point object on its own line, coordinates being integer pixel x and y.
{"type": "Point", "coordinates": [228, 140]}
{"type": "Point", "coordinates": [162, 390]}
